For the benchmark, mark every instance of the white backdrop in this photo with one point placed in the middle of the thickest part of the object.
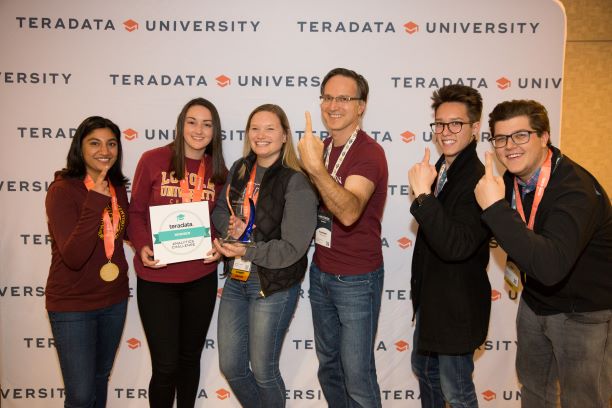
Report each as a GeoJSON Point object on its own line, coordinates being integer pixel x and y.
{"type": "Point", "coordinates": [139, 62]}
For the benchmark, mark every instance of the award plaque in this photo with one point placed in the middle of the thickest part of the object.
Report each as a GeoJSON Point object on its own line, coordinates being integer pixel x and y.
{"type": "Point", "coordinates": [180, 232]}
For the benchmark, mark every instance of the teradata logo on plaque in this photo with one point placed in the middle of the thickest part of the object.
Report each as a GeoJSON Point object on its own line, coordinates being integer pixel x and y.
{"type": "Point", "coordinates": [181, 232]}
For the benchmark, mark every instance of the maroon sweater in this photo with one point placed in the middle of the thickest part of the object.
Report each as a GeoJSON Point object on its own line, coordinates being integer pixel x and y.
{"type": "Point", "coordinates": [153, 185]}
{"type": "Point", "coordinates": [77, 248]}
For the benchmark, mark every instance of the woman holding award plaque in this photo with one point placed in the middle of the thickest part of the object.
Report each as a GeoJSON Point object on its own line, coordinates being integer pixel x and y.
{"type": "Point", "coordinates": [87, 287]}
{"type": "Point", "coordinates": [176, 301]}
{"type": "Point", "coordinates": [269, 209]}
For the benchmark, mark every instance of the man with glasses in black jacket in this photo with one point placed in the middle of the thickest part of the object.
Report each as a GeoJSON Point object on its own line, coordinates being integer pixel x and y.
{"type": "Point", "coordinates": [555, 224]}
{"type": "Point", "coordinates": [451, 294]}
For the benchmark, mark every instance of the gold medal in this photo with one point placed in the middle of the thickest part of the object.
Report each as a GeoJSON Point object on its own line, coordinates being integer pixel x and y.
{"type": "Point", "coordinates": [109, 272]}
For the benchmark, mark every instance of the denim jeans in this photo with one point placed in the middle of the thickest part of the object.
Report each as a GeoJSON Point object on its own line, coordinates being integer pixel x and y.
{"type": "Point", "coordinates": [345, 313]}
{"type": "Point", "coordinates": [443, 378]}
{"type": "Point", "coordinates": [251, 329]}
{"type": "Point", "coordinates": [573, 348]}
{"type": "Point", "coordinates": [86, 344]}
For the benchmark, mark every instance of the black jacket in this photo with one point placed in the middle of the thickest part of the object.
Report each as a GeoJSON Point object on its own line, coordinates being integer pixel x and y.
{"type": "Point", "coordinates": [268, 218]}
{"type": "Point", "coordinates": [568, 255]}
{"type": "Point", "coordinates": [449, 286]}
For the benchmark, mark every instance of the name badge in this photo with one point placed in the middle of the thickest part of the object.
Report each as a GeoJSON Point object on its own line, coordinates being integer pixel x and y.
{"type": "Point", "coordinates": [323, 233]}
{"type": "Point", "coordinates": [241, 269]}
{"type": "Point", "coordinates": [512, 276]}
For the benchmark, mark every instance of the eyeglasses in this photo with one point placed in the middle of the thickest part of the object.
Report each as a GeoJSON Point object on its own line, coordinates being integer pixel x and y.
{"type": "Point", "coordinates": [454, 127]}
{"type": "Point", "coordinates": [518, 138]}
{"type": "Point", "coordinates": [338, 99]}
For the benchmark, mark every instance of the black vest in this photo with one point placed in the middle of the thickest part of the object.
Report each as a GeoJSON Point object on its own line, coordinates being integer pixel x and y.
{"type": "Point", "coordinates": [268, 219]}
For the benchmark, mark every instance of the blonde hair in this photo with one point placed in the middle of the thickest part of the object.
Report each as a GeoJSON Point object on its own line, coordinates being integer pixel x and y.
{"type": "Point", "coordinates": [288, 153]}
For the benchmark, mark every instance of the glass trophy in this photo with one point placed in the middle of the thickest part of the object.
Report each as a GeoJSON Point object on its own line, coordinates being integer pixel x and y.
{"type": "Point", "coordinates": [241, 232]}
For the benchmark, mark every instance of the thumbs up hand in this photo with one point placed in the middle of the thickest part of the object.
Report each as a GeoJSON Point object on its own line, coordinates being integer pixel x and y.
{"type": "Point", "coordinates": [422, 175]}
{"type": "Point", "coordinates": [490, 188]}
{"type": "Point", "coordinates": [311, 150]}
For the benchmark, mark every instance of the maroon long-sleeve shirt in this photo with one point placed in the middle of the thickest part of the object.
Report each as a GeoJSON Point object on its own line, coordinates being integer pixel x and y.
{"type": "Point", "coordinates": [154, 184]}
{"type": "Point", "coordinates": [77, 248]}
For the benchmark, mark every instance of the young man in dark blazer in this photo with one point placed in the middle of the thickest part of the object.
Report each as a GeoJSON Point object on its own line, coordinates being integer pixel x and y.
{"type": "Point", "coordinates": [451, 294]}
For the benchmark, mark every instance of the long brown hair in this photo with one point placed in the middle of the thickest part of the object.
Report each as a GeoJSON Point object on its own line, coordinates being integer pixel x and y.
{"type": "Point", "coordinates": [214, 148]}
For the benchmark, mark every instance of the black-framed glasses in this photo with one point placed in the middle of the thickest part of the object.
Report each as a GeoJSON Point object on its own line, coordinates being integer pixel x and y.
{"type": "Point", "coordinates": [454, 126]}
{"type": "Point", "coordinates": [518, 138]}
{"type": "Point", "coordinates": [338, 99]}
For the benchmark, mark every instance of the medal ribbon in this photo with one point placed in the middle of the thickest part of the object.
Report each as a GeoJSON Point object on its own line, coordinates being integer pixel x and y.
{"type": "Point", "coordinates": [343, 153]}
{"type": "Point", "coordinates": [543, 179]}
{"type": "Point", "coordinates": [110, 227]}
{"type": "Point", "coordinates": [198, 189]}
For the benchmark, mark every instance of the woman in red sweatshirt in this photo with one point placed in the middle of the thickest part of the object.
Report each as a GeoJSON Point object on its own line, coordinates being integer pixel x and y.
{"type": "Point", "coordinates": [176, 301]}
{"type": "Point", "coordinates": [87, 288]}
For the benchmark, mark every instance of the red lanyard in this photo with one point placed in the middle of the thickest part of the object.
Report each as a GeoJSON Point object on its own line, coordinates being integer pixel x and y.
{"type": "Point", "coordinates": [543, 179]}
{"type": "Point", "coordinates": [248, 193]}
{"type": "Point", "coordinates": [198, 189]}
{"type": "Point", "coordinates": [110, 227]}
{"type": "Point", "coordinates": [250, 188]}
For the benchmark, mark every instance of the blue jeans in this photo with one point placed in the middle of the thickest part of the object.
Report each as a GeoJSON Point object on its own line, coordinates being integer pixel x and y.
{"type": "Point", "coordinates": [251, 329]}
{"type": "Point", "coordinates": [443, 378]}
{"type": "Point", "coordinates": [345, 313]}
{"type": "Point", "coordinates": [573, 348]}
{"type": "Point", "coordinates": [86, 344]}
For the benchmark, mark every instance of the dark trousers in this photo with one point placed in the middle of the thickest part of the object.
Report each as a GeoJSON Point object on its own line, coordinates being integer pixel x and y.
{"type": "Point", "coordinates": [175, 318]}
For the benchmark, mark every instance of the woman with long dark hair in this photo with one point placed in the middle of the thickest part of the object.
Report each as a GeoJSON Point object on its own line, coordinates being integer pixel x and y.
{"type": "Point", "coordinates": [176, 301]}
{"type": "Point", "coordinates": [87, 288]}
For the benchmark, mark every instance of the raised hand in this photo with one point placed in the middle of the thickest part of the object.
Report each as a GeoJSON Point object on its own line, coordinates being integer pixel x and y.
{"type": "Point", "coordinates": [422, 175]}
{"type": "Point", "coordinates": [311, 149]}
{"type": "Point", "coordinates": [490, 188]}
{"type": "Point", "coordinates": [100, 183]}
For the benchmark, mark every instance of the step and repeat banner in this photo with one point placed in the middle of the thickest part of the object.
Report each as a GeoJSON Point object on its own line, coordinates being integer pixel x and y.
{"type": "Point", "coordinates": [139, 62]}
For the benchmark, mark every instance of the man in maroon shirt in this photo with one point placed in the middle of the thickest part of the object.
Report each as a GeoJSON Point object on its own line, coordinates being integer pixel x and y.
{"type": "Point", "coordinates": [349, 170]}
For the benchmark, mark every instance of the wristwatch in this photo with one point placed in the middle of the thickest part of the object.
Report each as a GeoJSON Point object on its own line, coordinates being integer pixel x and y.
{"type": "Point", "coordinates": [422, 197]}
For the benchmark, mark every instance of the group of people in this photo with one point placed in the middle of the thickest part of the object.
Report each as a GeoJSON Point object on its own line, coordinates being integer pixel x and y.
{"type": "Point", "coordinates": [552, 218]}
